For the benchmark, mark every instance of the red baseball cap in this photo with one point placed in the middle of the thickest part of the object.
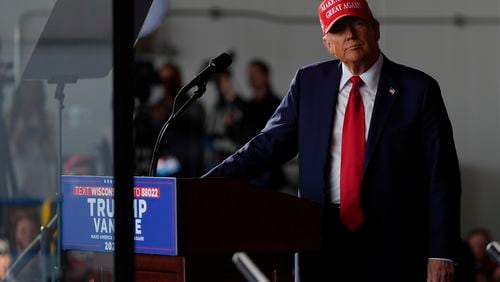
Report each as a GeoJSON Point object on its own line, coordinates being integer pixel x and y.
{"type": "Point", "coordinates": [330, 11]}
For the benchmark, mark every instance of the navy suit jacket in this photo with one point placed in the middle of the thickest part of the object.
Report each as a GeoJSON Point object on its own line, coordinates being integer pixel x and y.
{"type": "Point", "coordinates": [411, 181]}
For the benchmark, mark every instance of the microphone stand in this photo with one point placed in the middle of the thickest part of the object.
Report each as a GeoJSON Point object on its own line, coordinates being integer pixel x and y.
{"type": "Point", "coordinates": [202, 87]}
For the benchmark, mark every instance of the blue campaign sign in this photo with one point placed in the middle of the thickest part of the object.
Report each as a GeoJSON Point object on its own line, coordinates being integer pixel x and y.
{"type": "Point", "coordinates": [88, 214]}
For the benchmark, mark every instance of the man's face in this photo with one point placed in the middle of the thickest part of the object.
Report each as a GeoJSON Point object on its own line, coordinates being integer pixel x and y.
{"type": "Point", "coordinates": [354, 41]}
{"type": "Point", "coordinates": [256, 77]}
{"type": "Point", "coordinates": [170, 79]}
{"type": "Point", "coordinates": [25, 232]}
{"type": "Point", "coordinates": [478, 245]}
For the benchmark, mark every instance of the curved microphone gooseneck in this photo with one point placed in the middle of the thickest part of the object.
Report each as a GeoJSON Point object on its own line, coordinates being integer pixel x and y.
{"type": "Point", "coordinates": [218, 64]}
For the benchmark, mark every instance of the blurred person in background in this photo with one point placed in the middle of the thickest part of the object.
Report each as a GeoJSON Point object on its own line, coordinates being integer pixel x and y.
{"type": "Point", "coordinates": [181, 153]}
{"type": "Point", "coordinates": [256, 112]}
{"type": "Point", "coordinates": [32, 141]}
{"type": "Point", "coordinates": [5, 258]}
{"type": "Point", "coordinates": [26, 230]}
{"type": "Point", "coordinates": [145, 77]}
{"type": "Point", "coordinates": [224, 125]}
{"type": "Point", "coordinates": [486, 269]}
{"type": "Point", "coordinates": [262, 103]}
{"type": "Point", "coordinates": [79, 267]}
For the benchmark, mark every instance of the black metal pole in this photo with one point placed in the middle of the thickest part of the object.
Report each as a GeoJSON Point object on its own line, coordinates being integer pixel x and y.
{"type": "Point", "coordinates": [123, 149]}
{"type": "Point", "coordinates": [59, 96]}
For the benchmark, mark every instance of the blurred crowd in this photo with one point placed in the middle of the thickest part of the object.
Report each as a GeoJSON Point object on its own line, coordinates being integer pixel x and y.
{"type": "Point", "coordinates": [203, 136]}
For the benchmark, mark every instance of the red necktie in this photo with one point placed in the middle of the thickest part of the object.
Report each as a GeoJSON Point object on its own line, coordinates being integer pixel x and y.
{"type": "Point", "coordinates": [352, 158]}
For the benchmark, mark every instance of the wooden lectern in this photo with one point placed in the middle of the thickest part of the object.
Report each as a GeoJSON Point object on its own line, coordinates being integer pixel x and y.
{"type": "Point", "coordinates": [218, 217]}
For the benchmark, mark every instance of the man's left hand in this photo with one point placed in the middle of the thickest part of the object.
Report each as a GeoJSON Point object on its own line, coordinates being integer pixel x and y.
{"type": "Point", "coordinates": [440, 271]}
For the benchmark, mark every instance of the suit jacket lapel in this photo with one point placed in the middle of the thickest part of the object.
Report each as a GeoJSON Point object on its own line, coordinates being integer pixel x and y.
{"type": "Point", "coordinates": [327, 101]}
{"type": "Point", "coordinates": [387, 93]}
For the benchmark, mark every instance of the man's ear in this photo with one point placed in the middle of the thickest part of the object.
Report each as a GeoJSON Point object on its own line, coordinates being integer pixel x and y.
{"type": "Point", "coordinates": [327, 44]}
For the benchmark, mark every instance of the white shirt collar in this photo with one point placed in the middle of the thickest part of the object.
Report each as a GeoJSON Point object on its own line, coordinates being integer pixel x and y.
{"type": "Point", "coordinates": [369, 77]}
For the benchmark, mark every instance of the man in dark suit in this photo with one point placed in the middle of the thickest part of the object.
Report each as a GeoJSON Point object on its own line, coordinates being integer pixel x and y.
{"type": "Point", "coordinates": [375, 146]}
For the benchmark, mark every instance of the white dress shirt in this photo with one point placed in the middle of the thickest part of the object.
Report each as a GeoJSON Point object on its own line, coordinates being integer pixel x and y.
{"type": "Point", "coordinates": [368, 91]}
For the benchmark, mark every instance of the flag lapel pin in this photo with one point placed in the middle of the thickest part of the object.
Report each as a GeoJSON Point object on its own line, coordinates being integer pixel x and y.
{"type": "Point", "coordinates": [392, 91]}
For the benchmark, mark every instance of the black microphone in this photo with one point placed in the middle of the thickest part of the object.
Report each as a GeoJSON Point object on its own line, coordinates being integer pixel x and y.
{"type": "Point", "coordinates": [218, 64]}
{"type": "Point", "coordinates": [493, 250]}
